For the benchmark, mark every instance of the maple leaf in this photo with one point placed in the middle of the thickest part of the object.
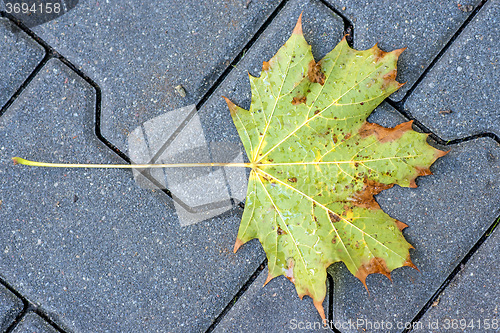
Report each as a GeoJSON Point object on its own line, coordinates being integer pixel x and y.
{"type": "Point", "coordinates": [317, 164]}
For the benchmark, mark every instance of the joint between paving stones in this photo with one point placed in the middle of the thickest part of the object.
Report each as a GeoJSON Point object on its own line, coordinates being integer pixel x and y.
{"type": "Point", "coordinates": [28, 307]}
{"type": "Point", "coordinates": [330, 314]}
{"type": "Point", "coordinates": [348, 26]}
{"type": "Point", "coordinates": [452, 275]}
{"type": "Point", "coordinates": [23, 299]}
{"type": "Point", "coordinates": [399, 106]}
{"type": "Point", "coordinates": [235, 298]}
{"type": "Point", "coordinates": [443, 51]}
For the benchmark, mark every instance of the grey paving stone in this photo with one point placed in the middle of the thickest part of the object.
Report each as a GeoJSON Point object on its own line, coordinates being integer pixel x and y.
{"type": "Point", "coordinates": [10, 307]}
{"type": "Point", "coordinates": [139, 52]}
{"type": "Point", "coordinates": [446, 214]}
{"type": "Point", "coordinates": [90, 246]}
{"type": "Point", "coordinates": [33, 323]}
{"type": "Point", "coordinates": [470, 303]}
{"type": "Point", "coordinates": [19, 55]}
{"type": "Point", "coordinates": [272, 308]}
{"type": "Point", "coordinates": [424, 27]}
{"type": "Point", "coordinates": [465, 81]}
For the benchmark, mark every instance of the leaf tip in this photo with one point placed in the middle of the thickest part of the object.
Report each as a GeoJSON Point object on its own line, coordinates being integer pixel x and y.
{"type": "Point", "coordinates": [440, 153]}
{"type": "Point", "coordinates": [318, 304]}
{"type": "Point", "coordinates": [398, 52]}
{"type": "Point", "coordinates": [232, 107]}
{"type": "Point", "coordinates": [16, 160]}
{"type": "Point", "coordinates": [401, 225]}
{"type": "Point", "coordinates": [298, 27]}
{"type": "Point", "coordinates": [269, 278]}
{"type": "Point", "coordinates": [409, 263]}
{"type": "Point", "coordinates": [237, 244]}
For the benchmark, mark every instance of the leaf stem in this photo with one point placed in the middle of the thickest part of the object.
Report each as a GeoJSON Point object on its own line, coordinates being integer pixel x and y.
{"type": "Point", "coordinates": [19, 160]}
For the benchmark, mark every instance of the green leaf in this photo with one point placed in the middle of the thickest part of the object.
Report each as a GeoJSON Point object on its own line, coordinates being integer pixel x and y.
{"type": "Point", "coordinates": [317, 164]}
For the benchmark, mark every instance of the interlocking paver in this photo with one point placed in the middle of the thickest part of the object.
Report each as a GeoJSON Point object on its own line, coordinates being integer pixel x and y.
{"type": "Point", "coordinates": [19, 55]}
{"type": "Point", "coordinates": [90, 245]}
{"type": "Point", "coordinates": [470, 303]}
{"type": "Point", "coordinates": [272, 308]}
{"type": "Point", "coordinates": [446, 214]}
{"type": "Point", "coordinates": [139, 52]}
{"type": "Point", "coordinates": [10, 307]}
{"type": "Point", "coordinates": [33, 323]}
{"type": "Point", "coordinates": [459, 96]}
{"type": "Point", "coordinates": [424, 27]}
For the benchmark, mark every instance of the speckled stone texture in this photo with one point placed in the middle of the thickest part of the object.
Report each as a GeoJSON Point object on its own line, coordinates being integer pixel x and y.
{"type": "Point", "coordinates": [33, 323]}
{"type": "Point", "coordinates": [424, 27]}
{"type": "Point", "coordinates": [10, 307]}
{"type": "Point", "coordinates": [274, 307]}
{"type": "Point", "coordinates": [459, 96]}
{"type": "Point", "coordinates": [19, 55]}
{"type": "Point", "coordinates": [470, 303]}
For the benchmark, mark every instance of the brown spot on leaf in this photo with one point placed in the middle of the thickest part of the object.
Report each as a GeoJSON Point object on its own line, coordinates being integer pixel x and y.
{"type": "Point", "coordinates": [334, 239]}
{"type": "Point", "coordinates": [289, 270]}
{"type": "Point", "coordinates": [299, 100]}
{"type": "Point", "coordinates": [423, 171]}
{"type": "Point", "coordinates": [281, 231]}
{"type": "Point", "coordinates": [315, 74]}
{"type": "Point", "coordinates": [391, 76]}
{"type": "Point", "coordinates": [378, 54]}
{"type": "Point", "coordinates": [374, 265]}
{"type": "Point", "coordinates": [292, 180]}
{"type": "Point", "coordinates": [382, 133]}
{"type": "Point", "coordinates": [365, 197]}
{"type": "Point", "coordinates": [265, 65]}
{"type": "Point", "coordinates": [333, 217]}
